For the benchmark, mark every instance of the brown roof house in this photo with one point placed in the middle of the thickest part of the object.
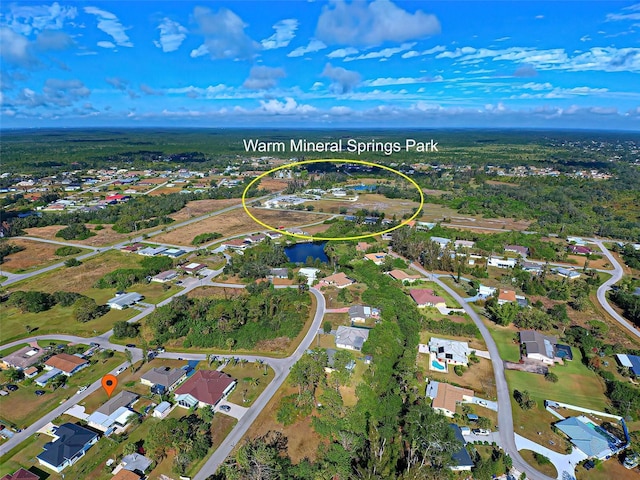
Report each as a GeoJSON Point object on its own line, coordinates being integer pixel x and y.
{"type": "Point", "coordinates": [338, 280]}
{"type": "Point", "coordinates": [21, 474]}
{"type": "Point", "coordinates": [67, 364]}
{"type": "Point", "coordinates": [403, 277]}
{"type": "Point", "coordinates": [424, 297]}
{"type": "Point", "coordinates": [205, 387]}
{"type": "Point", "coordinates": [446, 397]}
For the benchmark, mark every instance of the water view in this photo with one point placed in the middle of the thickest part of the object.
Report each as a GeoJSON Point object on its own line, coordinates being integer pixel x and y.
{"type": "Point", "coordinates": [299, 252]}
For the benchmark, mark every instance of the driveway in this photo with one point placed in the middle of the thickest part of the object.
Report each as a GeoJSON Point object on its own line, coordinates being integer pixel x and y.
{"type": "Point", "coordinates": [484, 403]}
{"type": "Point", "coordinates": [236, 410]}
{"type": "Point", "coordinates": [565, 464]}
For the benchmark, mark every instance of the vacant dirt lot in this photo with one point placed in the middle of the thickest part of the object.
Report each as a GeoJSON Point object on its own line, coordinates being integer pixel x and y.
{"type": "Point", "coordinates": [103, 237]}
{"type": "Point", "coordinates": [236, 222]}
{"type": "Point", "coordinates": [273, 184]}
{"type": "Point", "coordinates": [202, 207]}
{"type": "Point", "coordinates": [35, 253]}
{"type": "Point", "coordinates": [436, 213]}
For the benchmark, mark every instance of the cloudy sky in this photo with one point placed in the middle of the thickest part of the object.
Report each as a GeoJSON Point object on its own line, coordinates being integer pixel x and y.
{"type": "Point", "coordinates": [303, 63]}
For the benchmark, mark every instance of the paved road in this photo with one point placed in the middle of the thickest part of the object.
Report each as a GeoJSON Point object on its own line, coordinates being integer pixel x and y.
{"type": "Point", "coordinates": [606, 286]}
{"type": "Point", "coordinates": [505, 414]}
{"type": "Point", "coordinates": [245, 422]}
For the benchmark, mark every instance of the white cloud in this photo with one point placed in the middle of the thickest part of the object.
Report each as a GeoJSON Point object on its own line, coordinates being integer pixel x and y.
{"type": "Point", "coordinates": [430, 51]}
{"type": "Point", "coordinates": [288, 107]}
{"type": "Point", "coordinates": [172, 34]}
{"type": "Point", "coordinates": [384, 53]}
{"type": "Point", "coordinates": [55, 93]}
{"type": "Point", "coordinates": [26, 19]}
{"type": "Point", "coordinates": [313, 46]}
{"type": "Point", "coordinates": [15, 49]}
{"type": "Point", "coordinates": [502, 39]}
{"type": "Point", "coordinates": [382, 82]}
{"type": "Point", "coordinates": [224, 35]}
{"type": "Point", "coordinates": [117, 83]}
{"type": "Point", "coordinates": [263, 78]}
{"type": "Point", "coordinates": [317, 86]}
{"type": "Point", "coordinates": [342, 52]}
{"type": "Point", "coordinates": [362, 24]}
{"type": "Point", "coordinates": [343, 80]}
{"type": "Point", "coordinates": [147, 90]}
{"type": "Point", "coordinates": [109, 24]}
{"type": "Point", "coordinates": [105, 44]}
{"type": "Point", "coordinates": [585, 38]}
{"type": "Point", "coordinates": [285, 32]}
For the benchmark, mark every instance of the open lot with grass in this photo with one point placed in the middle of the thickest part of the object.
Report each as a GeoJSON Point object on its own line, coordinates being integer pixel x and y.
{"type": "Point", "coordinates": [24, 455]}
{"type": "Point", "coordinates": [23, 407]}
{"type": "Point", "coordinates": [545, 467]}
{"type": "Point", "coordinates": [504, 338]}
{"type": "Point", "coordinates": [251, 382]}
{"type": "Point", "coordinates": [35, 255]}
{"type": "Point", "coordinates": [103, 237]}
{"type": "Point", "coordinates": [236, 222]}
{"type": "Point", "coordinates": [197, 208]}
{"type": "Point", "coordinates": [369, 201]}
{"type": "Point", "coordinates": [478, 377]}
{"type": "Point", "coordinates": [437, 213]}
{"type": "Point", "coordinates": [611, 469]}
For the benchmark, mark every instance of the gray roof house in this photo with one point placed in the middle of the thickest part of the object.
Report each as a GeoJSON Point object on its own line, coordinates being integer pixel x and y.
{"type": "Point", "coordinates": [136, 463]}
{"type": "Point", "coordinates": [124, 399]}
{"type": "Point", "coordinates": [461, 459]}
{"type": "Point", "coordinates": [70, 443]}
{"type": "Point", "coordinates": [167, 378]}
{"type": "Point", "coordinates": [351, 338]}
{"type": "Point", "coordinates": [450, 351]}
{"type": "Point", "coordinates": [23, 358]}
{"type": "Point", "coordinates": [538, 346]}
{"type": "Point", "coordinates": [279, 272]}
{"type": "Point", "coordinates": [359, 313]}
{"type": "Point", "coordinates": [120, 302]}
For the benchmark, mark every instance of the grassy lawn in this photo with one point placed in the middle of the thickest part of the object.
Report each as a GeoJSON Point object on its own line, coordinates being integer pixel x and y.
{"type": "Point", "coordinates": [612, 468]}
{"type": "Point", "coordinates": [56, 320]}
{"type": "Point", "coordinates": [474, 343]}
{"type": "Point", "coordinates": [23, 407]}
{"type": "Point", "coordinates": [246, 375]}
{"type": "Point", "coordinates": [24, 455]}
{"type": "Point", "coordinates": [546, 468]}
{"type": "Point", "coordinates": [503, 337]}
{"type": "Point", "coordinates": [478, 377]}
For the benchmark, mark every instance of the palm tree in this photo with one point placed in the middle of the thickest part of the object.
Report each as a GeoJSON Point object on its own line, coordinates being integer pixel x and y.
{"type": "Point", "coordinates": [129, 356]}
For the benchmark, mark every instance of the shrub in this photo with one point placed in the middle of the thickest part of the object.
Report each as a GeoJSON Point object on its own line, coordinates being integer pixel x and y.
{"type": "Point", "coordinates": [65, 251]}
{"type": "Point", "coordinates": [72, 262]}
{"type": "Point", "coordinates": [75, 231]}
{"type": "Point", "coordinates": [551, 377]}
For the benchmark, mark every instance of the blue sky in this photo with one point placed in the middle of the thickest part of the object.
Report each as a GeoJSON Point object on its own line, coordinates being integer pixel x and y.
{"type": "Point", "coordinates": [321, 64]}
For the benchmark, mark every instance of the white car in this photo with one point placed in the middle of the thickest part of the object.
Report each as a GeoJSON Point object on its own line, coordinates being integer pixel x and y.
{"type": "Point", "coordinates": [120, 370]}
{"type": "Point", "coordinates": [481, 431]}
{"type": "Point", "coordinates": [82, 389]}
{"type": "Point", "coordinates": [482, 403]}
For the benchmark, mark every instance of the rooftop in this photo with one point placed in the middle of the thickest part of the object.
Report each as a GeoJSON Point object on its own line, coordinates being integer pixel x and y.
{"type": "Point", "coordinates": [585, 436]}
{"type": "Point", "coordinates": [446, 396]}
{"type": "Point", "coordinates": [71, 440]}
{"type": "Point", "coordinates": [122, 399]}
{"type": "Point", "coordinates": [164, 376]}
{"type": "Point", "coordinates": [536, 342]}
{"type": "Point", "coordinates": [207, 386]}
{"type": "Point", "coordinates": [425, 296]}
{"type": "Point", "coordinates": [351, 336]}
{"type": "Point", "coordinates": [65, 362]}
{"type": "Point", "coordinates": [24, 357]}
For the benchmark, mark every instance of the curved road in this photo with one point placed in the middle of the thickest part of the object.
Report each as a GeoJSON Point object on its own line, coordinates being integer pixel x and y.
{"type": "Point", "coordinates": [505, 414]}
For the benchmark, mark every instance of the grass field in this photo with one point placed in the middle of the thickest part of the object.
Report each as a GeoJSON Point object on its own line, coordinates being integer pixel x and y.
{"type": "Point", "coordinates": [35, 255]}
{"type": "Point", "coordinates": [236, 222]}
{"type": "Point", "coordinates": [370, 201]}
{"type": "Point", "coordinates": [23, 407]}
{"type": "Point", "coordinates": [251, 382]}
{"type": "Point", "coordinates": [546, 468]}
{"type": "Point", "coordinates": [197, 208]}
{"type": "Point", "coordinates": [504, 338]}
{"type": "Point", "coordinates": [478, 377]}
{"type": "Point", "coordinates": [106, 236]}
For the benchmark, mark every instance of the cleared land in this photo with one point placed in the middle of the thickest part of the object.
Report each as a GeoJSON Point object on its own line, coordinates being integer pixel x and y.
{"type": "Point", "coordinates": [35, 254]}
{"type": "Point", "coordinates": [236, 222]}
{"type": "Point", "coordinates": [370, 201]}
{"type": "Point", "coordinates": [273, 184]}
{"type": "Point", "coordinates": [546, 468]}
{"type": "Point", "coordinates": [197, 208]}
{"type": "Point", "coordinates": [105, 236]}
{"type": "Point", "coordinates": [437, 213]}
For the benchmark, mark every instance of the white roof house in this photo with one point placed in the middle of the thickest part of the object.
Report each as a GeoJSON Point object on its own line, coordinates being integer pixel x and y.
{"type": "Point", "coordinates": [502, 262]}
{"type": "Point", "coordinates": [310, 273]}
{"type": "Point", "coordinates": [450, 351]}
{"type": "Point", "coordinates": [443, 242]}
{"type": "Point", "coordinates": [162, 410]}
{"type": "Point", "coordinates": [120, 302]}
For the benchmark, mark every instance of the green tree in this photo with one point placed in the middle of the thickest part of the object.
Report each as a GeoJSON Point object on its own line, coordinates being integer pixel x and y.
{"type": "Point", "coordinates": [86, 308]}
{"type": "Point", "coordinates": [326, 327]}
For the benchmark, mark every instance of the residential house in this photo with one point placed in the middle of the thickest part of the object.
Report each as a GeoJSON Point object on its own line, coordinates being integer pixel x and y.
{"type": "Point", "coordinates": [331, 360]}
{"type": "Point", "coordinates": [463, 244]}
{"type": "Point", "coordinates": [310, 273]}
{"type": "Point", "coordinates": [152, 251]}
{"type": "Point", "coordinates": [580, 250]}
{"type": "Point", "coordinates": [632, 362]}
{"type": "Point", "coordinates": [134, 247]}
{"type": "Point", "coordinates": [193, 268]}
{"type": "Point", "coordinates": [446, 397]}
{"type": "Point", "coordinates": [537, 346]}
{"type": "Point", "coordinates": [484, 291]}
{"type": "Point", "coordinates": [205, 387]}
{"type": "Point", "coordinates": [279, 273]}
{"type": "Point", "coordinates": [23, 358]}
{"type": "Point", "coordinates": [403, 276]}
{"type": "Point", "coordinates": [164, 277]}
{"type": "Point", "coordinates": [67, 364]}
{"type": "Point", "coordinates": [519, 249]}
{"type": "Point", "coordinates": [255, 238]}
{"type": "Point", "coordinates": [21, 474]}
{"type": "Point", "coordinates": [134, 462]}
{"type": "Point", "coordinates": [424, 297]}
{"type": "Point", "coordinates": [126, 475]}
{"type": "Point", "coordinates": [163, 379]}
{"type": "Point", "coordinates": [338, 280]}
{"type": "Point", "coordinates": [70, 444]}
{"type": "Point", "coordinates": [424, 226]}
{"type": "Point", "coordinates": [589, 438]}
{"type": "Point", "coordinates": [362, 247]}
{"type": "Point", "coordinates": [566, 273]}
{"type": "Point", "coordinates": [351, 338]}
{"type": "Point", "coordinates": [162, 410]}
{"type": "Point", "coordinates": [360, 313]}
{"type": "Point", "coordinates": [125, 300]}
{"type": "Point", "coordinates": [576, 240]}
{"type": "Point", "coordinates": [377, 258]}
{"type": "Point", "coordinates": [450, 351]}
{"type": "Point", "coordinates": [114, 413]}
{"type": "Point", "coordinates": [43, 379]}
{"type": "Point", "coordinates": [30, 372]}
{"type": "Point", "coordinates": [235, 244]}
{"type": "Point", "coordinates": [441, 241]}
{"type": "Point", "coordinates": [461, 459]}
{"type": "Point", "coordinates": [174, 252]}
{"type": "Point", "coordinates": [506, 296]}
{"type": "Point", "coordinates": [273, 235]}
{"type": "Point", "coordinates": [502, 262]}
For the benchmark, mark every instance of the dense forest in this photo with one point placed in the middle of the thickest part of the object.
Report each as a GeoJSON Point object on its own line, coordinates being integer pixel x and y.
{"type": "Point", "coordinates": [239, 322]}
{"type": "Point", "coordinates": [256, 262]}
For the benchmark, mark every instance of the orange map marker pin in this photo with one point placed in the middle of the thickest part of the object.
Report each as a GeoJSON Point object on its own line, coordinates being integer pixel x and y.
{"type": "Point", "coordinates": [109, 383]}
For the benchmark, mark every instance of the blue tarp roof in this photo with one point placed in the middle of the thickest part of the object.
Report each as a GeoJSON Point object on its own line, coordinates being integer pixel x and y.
{"type": "Point", "coordinates": [635, 364]}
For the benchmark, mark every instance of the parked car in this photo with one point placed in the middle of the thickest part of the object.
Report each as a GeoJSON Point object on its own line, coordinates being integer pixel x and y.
{"type": "Point", "coordinates": [130, 345]}
{"type": "Point", "coordinates": [481, 431]}
{"type": "Point", "coordinates": [94, 344]}
{"type": "Point", "coordinates": [482, 403]}
{"type": "Point", "coordinates": [225, 408]}
{"type": "Point", "coordinates": [82, 388]}
{"type": "Point", "coordinates": [120, 370]}
{"type": "Point", "coordinates": [160, 350]}
{"type": "Point", "coordinates": [40, 392]}
{"type": "Point", "coordinates": [11, 387]}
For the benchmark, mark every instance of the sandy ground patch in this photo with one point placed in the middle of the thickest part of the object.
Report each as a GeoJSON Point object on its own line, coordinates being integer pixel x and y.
{"type": "Point", "coordinates": [35, 253]}
{"type": "Point", "coordinates": [273, 184]}
{"type": "Point", "coordinates": [236, 222]}
{"type": "Point", "coordinates": [197, 208]}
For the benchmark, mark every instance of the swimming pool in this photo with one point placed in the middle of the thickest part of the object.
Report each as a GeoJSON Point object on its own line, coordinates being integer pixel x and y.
{"type": "Point", "coordinates": [437, 365]}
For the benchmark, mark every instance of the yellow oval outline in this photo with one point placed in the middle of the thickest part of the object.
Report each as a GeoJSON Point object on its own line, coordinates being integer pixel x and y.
{"type": "Point", "coordinates": [334, 160]}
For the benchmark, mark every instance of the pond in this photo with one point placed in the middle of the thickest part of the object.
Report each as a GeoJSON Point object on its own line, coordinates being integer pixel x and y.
{"type": "Point", "coordinates": [299, 252]}
{"type": "Point", "coordinates": [360, 188]}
